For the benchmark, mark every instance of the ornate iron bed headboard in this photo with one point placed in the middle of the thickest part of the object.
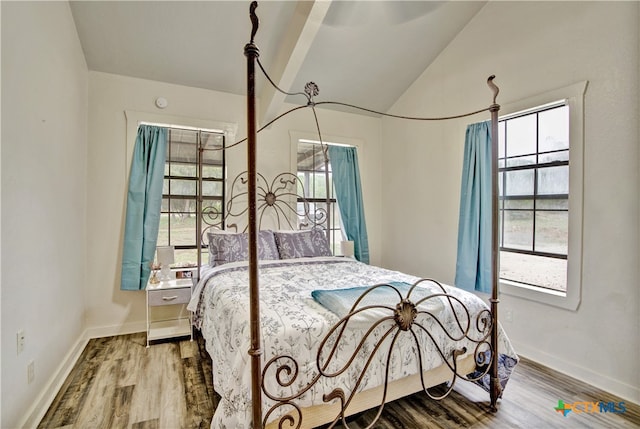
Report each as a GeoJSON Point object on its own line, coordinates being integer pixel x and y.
{"type": "Point", "coordinates": [283, 201]}
{"type": "Point", "coordinates": [404, 314]}
{"type": "Point", "coordinates": [276, 196]}
{"type": "Point", "coordinates": [284, 197]}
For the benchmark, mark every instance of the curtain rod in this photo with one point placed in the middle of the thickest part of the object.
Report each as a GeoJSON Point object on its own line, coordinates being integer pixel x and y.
{"type": "Point", "coordinates": [318, 142]}
{"type": "Point", "coordinates": [180, 127]}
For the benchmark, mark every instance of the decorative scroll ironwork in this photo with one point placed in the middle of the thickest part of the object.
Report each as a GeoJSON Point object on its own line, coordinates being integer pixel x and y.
{"type": "Point", "coordinates": [212, 218]}
{"type": "Point", "coordinates": [283, 198]}
{"type": "Point", "coordinates": [311, 90]}
{"type": "Point", "coordinates": [406, 317]}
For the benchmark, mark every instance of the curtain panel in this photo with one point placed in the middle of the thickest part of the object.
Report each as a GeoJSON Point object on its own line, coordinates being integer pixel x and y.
{"type": "Point", "coordinates": [144, 200]}
{"type": "Point", "coordinates": [346, 180]}
{"type": "Point", "coordinates": [473, 265]}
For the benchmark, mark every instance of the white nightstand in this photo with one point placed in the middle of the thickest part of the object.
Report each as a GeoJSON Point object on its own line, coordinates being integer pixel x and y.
{"type": "Point", "coordinates": [176, 319]}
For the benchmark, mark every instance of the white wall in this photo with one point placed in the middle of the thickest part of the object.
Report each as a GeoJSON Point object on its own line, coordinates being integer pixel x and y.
{"type": "Point", "coordinates": [110, 310]}
{"type": "Point", "coordinates": [44, 118]}
{"type": "Point", "coordinates": [534, 47]}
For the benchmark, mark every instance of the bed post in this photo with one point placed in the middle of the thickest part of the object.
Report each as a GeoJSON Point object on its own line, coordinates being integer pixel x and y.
{"type": "Point", "coordinates": [251, 52]}
{"type": "Point", "coordinates": [327, 185]}
{"type": "Point", "coordinates": [495, 247]}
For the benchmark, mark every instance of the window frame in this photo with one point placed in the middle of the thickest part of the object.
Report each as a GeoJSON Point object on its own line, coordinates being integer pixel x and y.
{"type": "Point", "coordinates": [295, 138]}
{"type": "Point", "coordinates": [570, 300]}
{"type": "Point", "coordinates": [536, 168]}
{"type": "Point", "coordinates": [201, 201]}
{"type": "Point", "coordinates": [334, 226]}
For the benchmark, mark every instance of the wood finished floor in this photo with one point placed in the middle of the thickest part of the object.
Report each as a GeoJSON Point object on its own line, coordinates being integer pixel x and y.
{"type": "Point", "coordinates": [119, 383]}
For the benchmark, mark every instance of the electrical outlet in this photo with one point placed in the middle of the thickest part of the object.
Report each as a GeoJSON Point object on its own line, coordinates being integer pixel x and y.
{"type": "Point", "coordinates": [20, 341]}
{"type": "Point", "coordinates": [508, 316]}
{"type": "Point", "coordinates": [31, 371]}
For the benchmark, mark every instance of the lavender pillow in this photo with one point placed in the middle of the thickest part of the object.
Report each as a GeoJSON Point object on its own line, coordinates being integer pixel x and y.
{"type": "Point", "coordinates": [300, 244]}
{"type": "Point", "coordinates": [227, 247]}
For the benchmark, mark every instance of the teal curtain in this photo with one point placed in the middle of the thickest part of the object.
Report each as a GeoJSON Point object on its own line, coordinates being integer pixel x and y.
{"type": "Point", "coordinates": [473, 266]}
{"type": "Point", "coordinates": [346, 180]}
{"type": "Point", "coordinates": [144, 200]}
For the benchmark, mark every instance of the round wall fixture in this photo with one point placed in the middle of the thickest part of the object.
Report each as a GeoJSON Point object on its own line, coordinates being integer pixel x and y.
{"type": "Point", "coordinates": [161, 102]}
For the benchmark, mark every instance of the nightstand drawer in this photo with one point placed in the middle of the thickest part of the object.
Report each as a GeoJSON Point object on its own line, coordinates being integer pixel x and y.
{"type": "Point", "coordinates": [169, 296]}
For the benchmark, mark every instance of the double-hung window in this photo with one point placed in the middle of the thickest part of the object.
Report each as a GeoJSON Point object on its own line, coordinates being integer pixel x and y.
{"type": "Point", "coordinates": [534, 202]}
{"type": "Point", "coordinates": [540, 181]}
{"type": "Point", "coordinates": [193, 181]}
{"type": "Point", "coordinates": [311, 169]}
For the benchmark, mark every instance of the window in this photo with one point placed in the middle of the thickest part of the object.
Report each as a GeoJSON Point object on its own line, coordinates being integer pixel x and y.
{"type": "Point", "coordinates": [195, 167]}
{"type": "Point", "coordinates": [311, 173]}
{"type": "Point", "coordinates": [534, 196]}
{"type": "Point", "coordinates": [540, 180]}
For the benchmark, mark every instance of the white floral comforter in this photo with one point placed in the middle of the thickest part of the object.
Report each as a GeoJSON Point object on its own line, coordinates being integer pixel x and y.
{"type": "Point", "coordinates": [294, 324]}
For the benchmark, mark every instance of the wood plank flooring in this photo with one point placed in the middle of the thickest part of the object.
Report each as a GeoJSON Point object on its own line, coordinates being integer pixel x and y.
{"type": "Point", "coordinates": [119, 383]}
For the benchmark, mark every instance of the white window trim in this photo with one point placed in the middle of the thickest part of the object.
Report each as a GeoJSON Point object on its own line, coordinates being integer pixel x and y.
{"type": "Point", "coordinates": [135, 118]}
{"type": "Point", "coordinates": [295, 136]}
{"type": "Point", "coordinates": [574, 94]}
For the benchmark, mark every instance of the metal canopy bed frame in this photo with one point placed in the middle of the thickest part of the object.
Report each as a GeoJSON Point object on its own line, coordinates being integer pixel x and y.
{"type": "Point", "coordinates": [484, 360]}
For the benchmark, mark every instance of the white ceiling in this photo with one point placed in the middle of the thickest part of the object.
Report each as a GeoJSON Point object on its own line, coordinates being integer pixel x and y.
{"type": "Point", "coordinates": [359, 52]}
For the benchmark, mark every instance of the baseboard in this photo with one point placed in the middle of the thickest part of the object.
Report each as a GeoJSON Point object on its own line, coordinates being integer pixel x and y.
{"type": "Point", "coordinates": [40, 406]}
{"type": "Point", "coordinates": [623, 390]}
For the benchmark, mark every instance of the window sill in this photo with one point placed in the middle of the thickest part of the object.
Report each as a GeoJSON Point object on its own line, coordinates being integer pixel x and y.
{"type": "Point", "coordinates": [554, 298]}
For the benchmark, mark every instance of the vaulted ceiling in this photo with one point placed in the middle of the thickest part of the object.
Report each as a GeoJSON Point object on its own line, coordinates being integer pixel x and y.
{"type": "Point", "coordinates": [359, 52]}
